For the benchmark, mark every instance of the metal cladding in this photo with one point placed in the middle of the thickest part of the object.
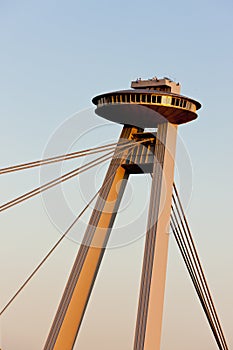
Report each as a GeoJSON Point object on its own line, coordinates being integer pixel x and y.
{"type": "Point", "coordinates": [146, 108]}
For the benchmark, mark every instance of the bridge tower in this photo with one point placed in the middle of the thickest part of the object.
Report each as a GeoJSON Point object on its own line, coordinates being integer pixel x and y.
{"type": "Point", "coordinates": [155, 104]}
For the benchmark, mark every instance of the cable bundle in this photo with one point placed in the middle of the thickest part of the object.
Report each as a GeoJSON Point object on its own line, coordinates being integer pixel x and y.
{"type": "Point", "coordinates": [179, 226]}
{"type": "Point", "coordinates": [121, 147]}
{"type": "Point", "coordinates": [56, 159]}
{"type": "Point", "coordinates": [183, 236]}
{"type": "Point", "coordinates": [61, 178]}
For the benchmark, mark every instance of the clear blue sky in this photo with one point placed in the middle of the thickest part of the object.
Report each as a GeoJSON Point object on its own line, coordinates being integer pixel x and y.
{"type": "Point", "coordinates": [55, 56]}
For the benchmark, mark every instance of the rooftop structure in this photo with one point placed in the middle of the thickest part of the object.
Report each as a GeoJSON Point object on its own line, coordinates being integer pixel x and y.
{"type": "Point", "coordinates": [164, 84]}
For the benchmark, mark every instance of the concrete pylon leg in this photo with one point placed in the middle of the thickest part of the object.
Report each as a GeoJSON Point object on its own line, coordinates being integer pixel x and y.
{"type": "Point", "coordinates": [77, 292]}
{"type": "Point", "coordinates": [150, 308]}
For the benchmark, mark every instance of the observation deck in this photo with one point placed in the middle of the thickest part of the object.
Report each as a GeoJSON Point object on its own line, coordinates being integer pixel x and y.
{"type": "Point", "coordinates": [148, 104]}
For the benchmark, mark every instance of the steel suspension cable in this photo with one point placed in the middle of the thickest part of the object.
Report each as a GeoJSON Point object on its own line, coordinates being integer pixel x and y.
{"type": "Point", "coordinates": [46, 257]}
{"type": "Point", "coordinates": [58, 242]}
{"type": "Point", "coordinates": [55, 159]}
{"type": "Point", "coordinates": [54, 182]}
{"type": "Point", "coordinates": [192, 261]}
{"type": "Point", "coordinates": [192, 244]}
{"type": "Point", "coordinates": [57, 181]}
{"type": "Point", "coordinates": [204, 286]}
{"type": "Point", "coordinates": [193, 274]}
{"type": "Point", "coordinates": [66, 177]}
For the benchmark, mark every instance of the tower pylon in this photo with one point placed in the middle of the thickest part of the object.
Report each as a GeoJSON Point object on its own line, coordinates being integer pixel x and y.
{"type": "Point", "coordinates": [157, 104]}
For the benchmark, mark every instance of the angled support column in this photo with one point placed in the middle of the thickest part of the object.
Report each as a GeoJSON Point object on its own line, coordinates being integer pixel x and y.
{"type": "Point", "coordinates": [150, 308]}
{"type": "Point", "coordinates": [77, 292]}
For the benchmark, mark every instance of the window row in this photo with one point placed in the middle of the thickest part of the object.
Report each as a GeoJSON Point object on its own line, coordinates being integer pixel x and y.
{"type": "Point", "coordinates": [148, 99]}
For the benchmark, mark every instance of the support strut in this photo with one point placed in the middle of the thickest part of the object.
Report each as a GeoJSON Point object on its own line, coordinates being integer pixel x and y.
{"type": "Point", "coordinates": [77, 292]}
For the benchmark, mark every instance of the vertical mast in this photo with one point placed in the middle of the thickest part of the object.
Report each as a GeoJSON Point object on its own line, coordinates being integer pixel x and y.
{"type": "Point", "coordinates": [150, 308]}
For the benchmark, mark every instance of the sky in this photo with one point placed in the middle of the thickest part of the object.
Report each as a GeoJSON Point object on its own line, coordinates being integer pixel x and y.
{"type": "Point", "coordinates": [55, 57]}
